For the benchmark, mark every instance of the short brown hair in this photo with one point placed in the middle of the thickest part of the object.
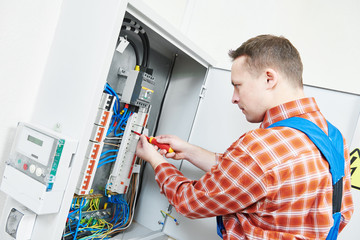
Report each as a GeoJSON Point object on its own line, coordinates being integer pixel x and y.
{"type": "Point", "coordinates": [271, 51]}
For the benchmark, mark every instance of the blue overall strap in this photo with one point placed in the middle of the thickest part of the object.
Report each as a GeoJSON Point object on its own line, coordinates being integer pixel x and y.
{"type": "Point", "coordinates": [332, 148]}
{"type": "Point", "coordinates": [220, 226]}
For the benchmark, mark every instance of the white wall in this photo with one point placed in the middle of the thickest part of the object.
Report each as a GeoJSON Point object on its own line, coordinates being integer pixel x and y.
{"type": "Point", "coordinates": [173, 11]}
{"type": "Point", "coordinates": [26, 33]}
{"type": "Point", "coordinates": [326, 33]}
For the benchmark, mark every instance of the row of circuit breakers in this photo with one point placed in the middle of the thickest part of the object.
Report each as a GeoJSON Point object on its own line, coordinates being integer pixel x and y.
{"type": "Point", "coordinates": [138, 91]}
{"type": "Point", "coordinates": [118, 118]}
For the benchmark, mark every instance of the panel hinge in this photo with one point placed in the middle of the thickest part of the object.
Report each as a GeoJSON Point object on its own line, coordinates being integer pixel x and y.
{"type": "Point", "coordinates": [202, 91]}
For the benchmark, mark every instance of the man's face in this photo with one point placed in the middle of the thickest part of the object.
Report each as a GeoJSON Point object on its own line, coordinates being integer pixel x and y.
{"type": "Point", "coordinates": [249, 91]}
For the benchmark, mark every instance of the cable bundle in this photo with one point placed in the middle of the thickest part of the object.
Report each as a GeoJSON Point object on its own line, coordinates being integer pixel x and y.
{"type": "Point", "coordinates": [108, 159]}
{"type": "Point", "coordinates": [85, 221]}
{"type": "Point", "coordinates": [121, 215]}
{"type": "Point", "coordinates": [137, 29]}
{"type": "Point", "coordinates": [119, 118]}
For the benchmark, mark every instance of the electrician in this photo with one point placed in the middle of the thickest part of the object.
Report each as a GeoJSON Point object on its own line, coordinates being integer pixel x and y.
{"type": "Point", "coordinates": [273, 182]}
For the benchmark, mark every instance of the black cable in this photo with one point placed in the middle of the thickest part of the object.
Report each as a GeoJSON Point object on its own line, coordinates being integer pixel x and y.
{"type": "Point", "coordinates": [136, 51]}
{"type": "Point", "coordinates": [136, 31]}
{"type": "Point", "coordinates": [165, 92]}
{"type": "Point", "coordinates": [142, 32]}
{"type": "Point", "coordinates": [137, 56]}
{"type": "Point", "coordinates": [147, 49]}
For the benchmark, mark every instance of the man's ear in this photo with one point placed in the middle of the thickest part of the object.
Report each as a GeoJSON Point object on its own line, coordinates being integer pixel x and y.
{"type": "Point", "coordinates": [272, 78]}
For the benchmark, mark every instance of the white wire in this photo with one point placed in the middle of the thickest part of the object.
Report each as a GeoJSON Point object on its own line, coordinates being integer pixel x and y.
{"type": "Point", "coordinates": [113, 138]}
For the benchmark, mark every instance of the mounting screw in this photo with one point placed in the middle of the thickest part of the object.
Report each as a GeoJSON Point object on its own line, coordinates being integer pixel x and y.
{"type": "Point", "coordinates": [122, 72]}
{"type": "Point", "coordinates": [58, 128]}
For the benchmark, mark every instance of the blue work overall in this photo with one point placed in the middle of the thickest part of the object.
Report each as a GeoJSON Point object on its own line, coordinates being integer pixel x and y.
{"type": "Point", "coordinates": [332, 148]}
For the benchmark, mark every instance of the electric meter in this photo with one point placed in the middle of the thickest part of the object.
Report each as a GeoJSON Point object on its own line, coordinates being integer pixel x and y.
{"type": "Point", "coordinates": [38, 168]}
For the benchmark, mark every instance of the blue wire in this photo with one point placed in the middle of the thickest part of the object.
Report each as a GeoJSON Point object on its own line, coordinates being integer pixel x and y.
{"type": "Point", "coordinates": [109, 151]}
{"type": "Point", "coordinates": [106, 158]}
{"type": "Point", "coordinates": [123, 121]}
{"type": "Point", "coordinates": [121, 210]}
{"type": "Point", "coordinates": [73, 206]}
{"type": "Point", "coordinates": [110, 89]}
{"type": "Point", "coordinates": [82, 204]}
{"type": "Point", "coordinates": [118, 119]}
{"type": "Point", "coordinates": [111, 126]}
{"type": "Point", "coordinates": [103, 163]}
{"type": "Point", "coordinates": [120, 123]}
{"type": "Point", "coordinates": [116, 107]}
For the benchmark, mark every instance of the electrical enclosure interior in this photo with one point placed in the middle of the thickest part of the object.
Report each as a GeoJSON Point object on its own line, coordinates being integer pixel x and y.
{"type": "Point", "coordinates": [142, 72]}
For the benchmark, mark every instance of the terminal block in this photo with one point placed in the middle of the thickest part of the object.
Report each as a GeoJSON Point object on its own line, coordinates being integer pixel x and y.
{"type": "Point", "coordinates": [91, 161]}
{"type": "Point", "coordinates": [122, 169]}
{"type": "Point", "coordinates": [103, 118]}
{"type": "Point", "coordinates": [98, 133]}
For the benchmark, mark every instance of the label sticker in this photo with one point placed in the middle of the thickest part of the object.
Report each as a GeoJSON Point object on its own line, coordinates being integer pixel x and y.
{"type": "Point", "coordinates": [355, 168]}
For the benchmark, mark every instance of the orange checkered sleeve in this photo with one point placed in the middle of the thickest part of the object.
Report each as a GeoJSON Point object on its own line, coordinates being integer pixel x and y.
{"type": "Point", "coordinates": [270, 183]}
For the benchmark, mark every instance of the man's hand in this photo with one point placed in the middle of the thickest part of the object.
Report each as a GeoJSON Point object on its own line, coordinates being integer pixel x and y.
{"type": "Point", "coordinates": [180, 147]}
{"type": "Point", "coordinates": [198, 156]}
{"type": "Point", "coordinates": [148, 152]}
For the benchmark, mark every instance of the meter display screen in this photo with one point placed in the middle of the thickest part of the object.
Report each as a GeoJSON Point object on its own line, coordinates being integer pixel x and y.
{"type": "Point", "coordinates": [35, 145]}
{"type": "Point", "coordinates": [35, 140]}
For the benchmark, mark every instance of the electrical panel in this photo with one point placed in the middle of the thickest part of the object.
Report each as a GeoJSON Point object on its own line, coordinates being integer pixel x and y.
{"type": "Point", "coordinates": [102, 189]}
{"type": "Point", "coordinates": [109, 180]}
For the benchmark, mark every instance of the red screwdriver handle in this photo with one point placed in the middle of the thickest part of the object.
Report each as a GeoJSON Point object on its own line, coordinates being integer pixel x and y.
{"type": "Point", "coordinates": [152, 140]}
{"type": "Point", "coordinates": [167, 147]}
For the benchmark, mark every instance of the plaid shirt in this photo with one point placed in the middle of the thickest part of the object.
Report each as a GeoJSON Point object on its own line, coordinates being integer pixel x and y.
{"type": "Point", "coordinates": [269, 184]}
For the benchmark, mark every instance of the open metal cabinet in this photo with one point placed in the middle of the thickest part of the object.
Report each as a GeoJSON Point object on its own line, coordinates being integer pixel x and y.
{"type": "Point", "coordinates": [180, 71]}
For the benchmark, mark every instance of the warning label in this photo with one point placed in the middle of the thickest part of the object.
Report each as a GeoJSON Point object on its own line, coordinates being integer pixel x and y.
{"type": "Point", "coordinates": [355, 168]}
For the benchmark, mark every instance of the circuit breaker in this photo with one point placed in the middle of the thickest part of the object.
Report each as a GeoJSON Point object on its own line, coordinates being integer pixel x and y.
{"type": "Point", "coordinates": [138, 89]}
